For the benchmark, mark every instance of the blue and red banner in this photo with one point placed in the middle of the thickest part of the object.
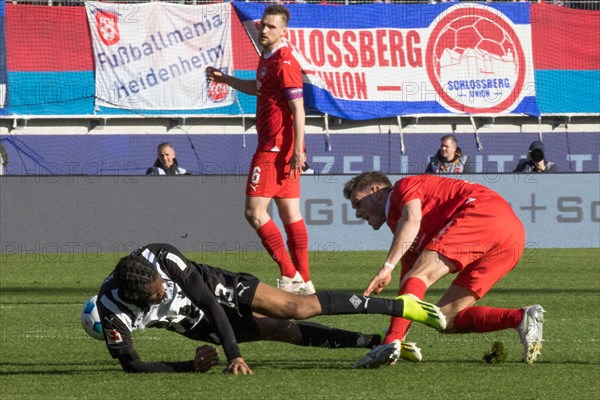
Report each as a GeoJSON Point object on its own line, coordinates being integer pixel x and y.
{"type": "Point", "coordinates": [566, 56]}
{"type": "Point", "coordinates": [373, 61]}
{"type": "Point", "coordinates": [361, 61]}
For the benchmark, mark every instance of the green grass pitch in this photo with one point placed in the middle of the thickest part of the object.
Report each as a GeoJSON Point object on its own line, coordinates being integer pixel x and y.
{"type": "Point", "coordinates": [44, 353]}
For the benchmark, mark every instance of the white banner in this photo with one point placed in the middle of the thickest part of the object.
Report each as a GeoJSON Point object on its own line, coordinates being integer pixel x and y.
{"type": "Point", "coordinates": [152, 56]}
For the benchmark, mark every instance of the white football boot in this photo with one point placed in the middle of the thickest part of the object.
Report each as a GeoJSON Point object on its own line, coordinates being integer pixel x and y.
{"type": "Point", "coordinates": [308, 288]}
{"type": "Point", "coordinates": [292, 285]}
{"type": "Point", "coordinates": [384, 354]}
{"type": "Point", "coordinates": [410, 352]}
{"type": "Point", "coordinates": [530, 331]}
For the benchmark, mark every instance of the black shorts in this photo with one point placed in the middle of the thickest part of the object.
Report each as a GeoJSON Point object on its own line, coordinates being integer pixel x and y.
{"type": "Point", "coordinates": [236, 292]}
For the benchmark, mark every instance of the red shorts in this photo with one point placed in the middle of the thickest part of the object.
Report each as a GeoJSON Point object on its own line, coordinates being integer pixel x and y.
{"type": "Point", "coordinates": [269, 176]}
{"type": "Point", "coordinates": [484, 239]}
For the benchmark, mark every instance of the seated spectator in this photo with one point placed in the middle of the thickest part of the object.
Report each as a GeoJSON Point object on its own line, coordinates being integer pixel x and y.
{"type": "Point", "coordinates": [166, 163]}
{"type": "Point", "coordinates": [449, 158]}
{"type": "Point", "coordinates": [536, 160]}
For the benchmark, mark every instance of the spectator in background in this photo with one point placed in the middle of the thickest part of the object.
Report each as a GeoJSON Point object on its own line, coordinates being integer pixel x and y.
{"type": "Point", "coordinates": [166, 163]}
{"type": "Point", "coordinates": [280, 155]}
{"type": "Point", "coordinates": [449, 158]}
{"type": "Point", "coordinates": [536, 160]}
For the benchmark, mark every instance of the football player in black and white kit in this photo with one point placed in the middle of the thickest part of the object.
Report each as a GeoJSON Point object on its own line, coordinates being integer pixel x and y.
{"type": "Point", "coordinates": [158, 287]}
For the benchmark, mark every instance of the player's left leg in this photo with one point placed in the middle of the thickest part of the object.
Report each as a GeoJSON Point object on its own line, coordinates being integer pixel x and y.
{"type": "Point", "coordinates": [278, 304]}
{"type": "Point", "coordinates": [297, 238]}
{"type": "Point", "coordinates": [477, 279]}
{"type": "Point", "coordinates": [312, 334]}
{"type": "Point", "coordinates": [269, 234]}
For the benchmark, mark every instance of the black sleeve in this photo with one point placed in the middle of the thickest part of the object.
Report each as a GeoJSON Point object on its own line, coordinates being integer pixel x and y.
{"type": "Point", "coordinates": [131, 362]}
{"type": "Point", "coordinates": [553, 168]}
{"type": "Point", "coordinates": [520, 166]}
{"type": "Point", "coordinates": [177, 266]}
{"type": "Point", "coordinates": [118, 341]}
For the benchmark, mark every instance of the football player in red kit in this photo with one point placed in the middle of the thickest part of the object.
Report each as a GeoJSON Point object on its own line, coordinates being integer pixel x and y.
{"type": "Point", "coordinates": [446, 226]}
{"type": "Point", "coordinates": [280, 155]}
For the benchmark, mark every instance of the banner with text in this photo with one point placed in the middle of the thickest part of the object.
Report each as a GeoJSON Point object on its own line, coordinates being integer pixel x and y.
{"type": "Point", "coordinates": [370, 61]}
{"type": "Point", "coordinates": [153, 56]}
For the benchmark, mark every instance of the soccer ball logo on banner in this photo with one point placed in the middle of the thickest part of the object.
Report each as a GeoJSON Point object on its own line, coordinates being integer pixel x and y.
{"type": "Point", "coordinates": [475, 60]}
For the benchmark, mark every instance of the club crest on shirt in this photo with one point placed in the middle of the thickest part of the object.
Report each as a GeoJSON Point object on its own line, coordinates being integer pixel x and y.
{"type": "Point", "coordinates": [113, 336]}
{"type": "Point", "coordinates": [263, 72]}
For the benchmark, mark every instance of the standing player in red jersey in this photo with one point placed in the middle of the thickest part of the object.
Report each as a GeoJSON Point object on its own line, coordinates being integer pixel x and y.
{"type": "Point", "coordinates": [446, 226]}
{"type": "Point", "coordinates": [280, 155]}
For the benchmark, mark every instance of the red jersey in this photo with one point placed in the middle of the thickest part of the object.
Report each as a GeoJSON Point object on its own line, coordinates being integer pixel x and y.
{"type": "Point", "coordinates": [274, 119]}
{"type": "Point", "coordinates": [440, 199]}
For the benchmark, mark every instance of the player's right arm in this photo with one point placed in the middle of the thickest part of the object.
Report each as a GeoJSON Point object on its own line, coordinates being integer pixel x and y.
{"type": "Point", "coordinates": [247, 86]}
{"type": "Point", "coordinates": [406, 232]}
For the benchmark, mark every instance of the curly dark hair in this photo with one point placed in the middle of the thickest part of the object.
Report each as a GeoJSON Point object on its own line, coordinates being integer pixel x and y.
{"type": "Point", "coordinates": [134, 273]}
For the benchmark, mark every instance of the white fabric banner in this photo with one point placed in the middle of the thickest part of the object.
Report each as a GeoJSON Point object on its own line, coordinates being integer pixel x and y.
{"type": "Point", "coordinates": [152, 56]}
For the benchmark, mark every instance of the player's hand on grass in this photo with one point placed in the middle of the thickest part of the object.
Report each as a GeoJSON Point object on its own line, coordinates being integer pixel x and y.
{"type": "Point", "coordinates": [238, 365]}
{"type": "Point", "coordinates": [379, 281]}
{"type": "Point", "coordinates": [206, 358]}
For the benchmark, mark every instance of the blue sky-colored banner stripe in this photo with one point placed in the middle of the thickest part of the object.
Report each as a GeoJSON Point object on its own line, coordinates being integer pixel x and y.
{"type": "Point", "coordinates": [60, 93]}
{"type": "Point", "coordinates": [2, 8]}
{"type": "Point", "coordinates": [366, 16]}
{"type": "Point", "coordinates": [560, 91]}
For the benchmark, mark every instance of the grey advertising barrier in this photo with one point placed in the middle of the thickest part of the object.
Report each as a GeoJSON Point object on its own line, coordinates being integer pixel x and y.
{"type": "Point", "coordinates": [93, 214]}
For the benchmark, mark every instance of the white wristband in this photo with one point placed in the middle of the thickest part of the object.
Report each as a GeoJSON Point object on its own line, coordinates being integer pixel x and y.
{"type": "Point", "coordinates": [389, 265]}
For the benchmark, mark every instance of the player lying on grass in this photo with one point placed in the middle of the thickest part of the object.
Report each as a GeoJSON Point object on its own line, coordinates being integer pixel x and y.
{"type": "Point", "coordinates": [158, 287]}
{"type": "Point", "coordinates": [445, 226]}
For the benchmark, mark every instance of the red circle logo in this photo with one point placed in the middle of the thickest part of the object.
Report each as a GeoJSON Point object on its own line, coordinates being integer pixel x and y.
{"type": "Point", "coordinates": [217, 92]}
{"type": "Point", "coordinates": [475, 60]}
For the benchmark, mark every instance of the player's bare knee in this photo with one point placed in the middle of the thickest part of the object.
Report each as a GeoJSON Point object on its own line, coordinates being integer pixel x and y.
{"type": "Point", "coordinates": [301, 307]}
{"type": "Point", "coordinates": [250, 216]}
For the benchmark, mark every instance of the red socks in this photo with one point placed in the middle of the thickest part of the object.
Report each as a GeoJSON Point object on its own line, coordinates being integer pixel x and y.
{"type": "Point", "coordinates": [399, 326]}
{"type": "Point", "coordinates": [271, 238]}
{"type": "Point", "coordinates": [297, 242]}
{"type": "Point", "coordinates": [486, 319]}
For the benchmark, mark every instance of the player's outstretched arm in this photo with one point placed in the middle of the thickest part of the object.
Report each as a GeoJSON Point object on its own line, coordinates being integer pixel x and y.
{"type": "Point", "coordinates": [247, 86]}
{"type": "Point", "coordinates": [131, 363]}
{"type": "Point", "coordinates": [406, 232]}
{"type": "Point", "coordinates": [206, 358]}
